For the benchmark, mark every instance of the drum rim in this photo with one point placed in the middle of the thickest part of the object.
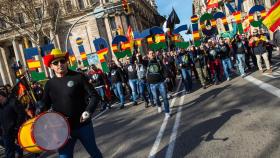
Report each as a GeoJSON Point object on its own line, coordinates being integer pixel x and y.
{"type": "Point", "coordinates": [19, 140]}
{"type": "Point", "coordinates": [44, 113]}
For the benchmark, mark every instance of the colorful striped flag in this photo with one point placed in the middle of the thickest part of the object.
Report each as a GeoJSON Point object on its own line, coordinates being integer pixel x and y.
{"type": "Point", "coordinates": [246, 24]}
{"type": "Point", "coordinates": [130, 37]}
{"type": "Point", "coordinates": [272, 19]}
{"type": "Point", "coordinates": [212, 4]}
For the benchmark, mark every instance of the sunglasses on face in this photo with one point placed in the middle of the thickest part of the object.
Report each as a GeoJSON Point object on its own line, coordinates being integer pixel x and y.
{"type": "Point", "coordinates": [62, 61]}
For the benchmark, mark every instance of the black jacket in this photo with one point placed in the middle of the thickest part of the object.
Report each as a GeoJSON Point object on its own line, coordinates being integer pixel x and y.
{"type": "Point", "coordinates": [131, 71]}
{"type": "Point", "coordinates": [155, 72]}
{"type": "Point", "coordinates": [225, 51]}
{"type": "Point", "coordinates": [70, 95]}
{"type": "Point", "coordinates": [12, 115]}
{"type": "Point", "coordinates": [276, 38]}
{"type": "Point", "coordinates": [116, 74]}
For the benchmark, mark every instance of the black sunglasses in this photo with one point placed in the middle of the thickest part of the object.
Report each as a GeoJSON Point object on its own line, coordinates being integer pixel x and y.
{"type": "Point", "coordinates": [62, 61]}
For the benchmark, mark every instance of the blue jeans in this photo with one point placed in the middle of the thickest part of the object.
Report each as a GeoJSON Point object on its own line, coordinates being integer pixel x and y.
{"type": "Point", "coordinates": [162, 90]}
{"type": "Point", "coordinates": [86, 135]}
{"type": "Point", "coordinates": [100, 91]}
{"type": "Point", "coordinates": [118, 90]}
{"type": "Point", "coordinates": [227, 66]}
{"type": "Point", "coordinates": [241, 63]}
{"type": "Point", "coordinates": [133, 85]}
{"type": "Point", "coordinates": [142, 86]}
{"type": "Point", "coordinates": [10, 146]}
{"type": "Point", "coordinates": [187, 79]}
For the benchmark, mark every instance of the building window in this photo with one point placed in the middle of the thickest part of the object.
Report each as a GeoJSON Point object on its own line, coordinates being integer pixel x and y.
{"type": "Point", "coordinates": [2, 24]}
{"type": "Point", "coordinates": [81, 4]}
{"type": "Point", "coordinates": [113, 23]}
{"type": "Point", "coordinates": [68, 6]}
{"type": "Point", "coordinates": [20, 18]}
{"type": "Point", "coordinates": [39, 13]}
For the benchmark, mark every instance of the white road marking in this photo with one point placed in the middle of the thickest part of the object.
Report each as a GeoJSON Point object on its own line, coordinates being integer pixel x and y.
{"type": "Point", "coordinates": [267, 87]}
{"type": "Point", "coordinates": [172, 141]}
{"type": "Point", "coordinates": [99, 114]}
{"type": "Point", "coordinates": [156, 144]}
{"type": "Point", "coordinates": [158, 139]}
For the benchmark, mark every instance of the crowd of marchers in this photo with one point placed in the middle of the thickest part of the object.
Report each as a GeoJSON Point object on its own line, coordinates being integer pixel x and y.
{"type": "Point", "coordinates": [150, 77]}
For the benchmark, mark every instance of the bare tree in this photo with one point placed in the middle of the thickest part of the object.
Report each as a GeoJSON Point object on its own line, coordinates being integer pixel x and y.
{"type": "Point", "coordinates": [31, 18]}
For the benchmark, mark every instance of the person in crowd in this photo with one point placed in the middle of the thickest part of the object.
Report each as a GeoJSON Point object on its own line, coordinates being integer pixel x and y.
{"type": "Point", "coordinates": [172, 64]}
{"type": "Point", "coordinates": [214, 63]}
{"type": "Point", "coordinates": [131, 71]}
{"type": "Point", "coordinates": [156, 77]}
{"type": "Point", "coordinates": [99, 82]}
{"type": "Point", "coordinates": [141, 67]}
{"type": "Point", "coordinates": [225, 55]}
{"type": "Point", "coordinates": [199, 63]}
{"type": "Point", "coordinates": [268, 44]}
{"type": "Point", "coordinates": [239, 50]}
{"type": "Point", "coordinates": [118, 82]}
{"type": "Point", "coordinates": [12, 115]}
{"type": "Point", "coordinates": [248, 53]}
{"type": "Point", "coordinates": [193, 52]}
{"type": "Point", "coordinates": [70, 94]}
{"type": "Point", "coordinates": [185, 64]}
{"type": "Point", "coordinates": [168, 68]}
{"type": "Point", "coordinates": [258, 43]}
{"type": "Point", "coordinates": [276, 39]}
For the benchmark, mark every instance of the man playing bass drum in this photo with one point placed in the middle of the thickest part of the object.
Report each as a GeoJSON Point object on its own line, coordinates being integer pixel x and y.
{"type": "Point", "coordinates": [68, 93]}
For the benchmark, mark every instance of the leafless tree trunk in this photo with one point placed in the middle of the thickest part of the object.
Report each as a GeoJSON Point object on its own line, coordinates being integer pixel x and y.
{"type": "Point", "coordinates": [31, 18]}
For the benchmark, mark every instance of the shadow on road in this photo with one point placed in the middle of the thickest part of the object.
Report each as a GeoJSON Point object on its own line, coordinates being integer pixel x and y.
{"type": "Point", "coordinates": [204, 131]}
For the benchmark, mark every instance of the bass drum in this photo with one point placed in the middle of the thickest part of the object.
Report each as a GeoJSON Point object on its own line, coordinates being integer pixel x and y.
{"type": "Point", "coordinates": [46, 132]}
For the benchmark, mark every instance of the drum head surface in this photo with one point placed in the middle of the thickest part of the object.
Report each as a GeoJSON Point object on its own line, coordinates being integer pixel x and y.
{"type": "Point", "coordinates": [50, 131]}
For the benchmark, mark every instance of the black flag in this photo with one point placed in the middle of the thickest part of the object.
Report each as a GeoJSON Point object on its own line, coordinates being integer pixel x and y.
{"type": "Point", "coordinates": [172, 20]}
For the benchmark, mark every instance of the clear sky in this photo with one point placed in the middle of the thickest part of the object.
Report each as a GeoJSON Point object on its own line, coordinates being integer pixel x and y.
{"type": "Point", "coordinates": [183, 9]}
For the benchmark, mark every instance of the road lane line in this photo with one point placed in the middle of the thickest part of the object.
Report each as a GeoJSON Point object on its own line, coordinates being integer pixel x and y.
{"type": "Point", "coordinates": [156, 144]}
{"type": "Point", "coordinates": [267, 87]}
{"type": "Point", "coordinates": [101, 113]}
{"type": "Point", "coordinates": [172, 141]}
{"type": "Point", "coordinates": [158, 139]}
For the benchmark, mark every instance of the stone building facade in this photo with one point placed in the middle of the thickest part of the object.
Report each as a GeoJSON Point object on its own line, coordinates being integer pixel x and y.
{"type": "Point", "coordinates": [143, 14]}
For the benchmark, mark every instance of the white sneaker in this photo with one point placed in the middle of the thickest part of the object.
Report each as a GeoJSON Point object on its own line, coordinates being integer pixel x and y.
{"type": "Point", "coordinates": [167, 115]}
{"type": "Point", "coordinates": [228, 79]}
{"type": "Point", "coordinates": [159, 109]}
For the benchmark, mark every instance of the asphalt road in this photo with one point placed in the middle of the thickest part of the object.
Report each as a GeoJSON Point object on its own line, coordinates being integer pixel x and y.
{"type": "Point", "coordinates": [239, 118]}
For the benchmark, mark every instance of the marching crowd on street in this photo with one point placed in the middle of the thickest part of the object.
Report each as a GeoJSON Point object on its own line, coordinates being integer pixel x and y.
{"type": "Point", "coordinates": [145, 77]}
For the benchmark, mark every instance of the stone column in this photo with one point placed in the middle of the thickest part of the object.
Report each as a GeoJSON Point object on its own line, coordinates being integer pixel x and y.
{"type": "Point", "coordinates": [109, 34]}
{"type": "Point", "coordinates": [267, 4]}
{"type": "Point", "coordinates": [22, 54]}
{"type": "Point", "coordinates": [2, 70]}
{"type": "Point", "coordinates": [16, 50]}
{"type": "Point", "coordinates": [75, 4]}
{"type": "Point", "coordinates": [6, 66]}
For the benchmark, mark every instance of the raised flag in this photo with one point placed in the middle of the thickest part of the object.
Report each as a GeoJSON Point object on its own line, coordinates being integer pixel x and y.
{"type": "Point", "coordinates": [172, 20]}
{"type": "Point", "coordinates": [130, 37]}
{"type": "Point", "coordinates": [212, 4]}
{"type": "Point", "coordinates": [246, 24]}
{"type": "Point", "coordinates": [272, 19]}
